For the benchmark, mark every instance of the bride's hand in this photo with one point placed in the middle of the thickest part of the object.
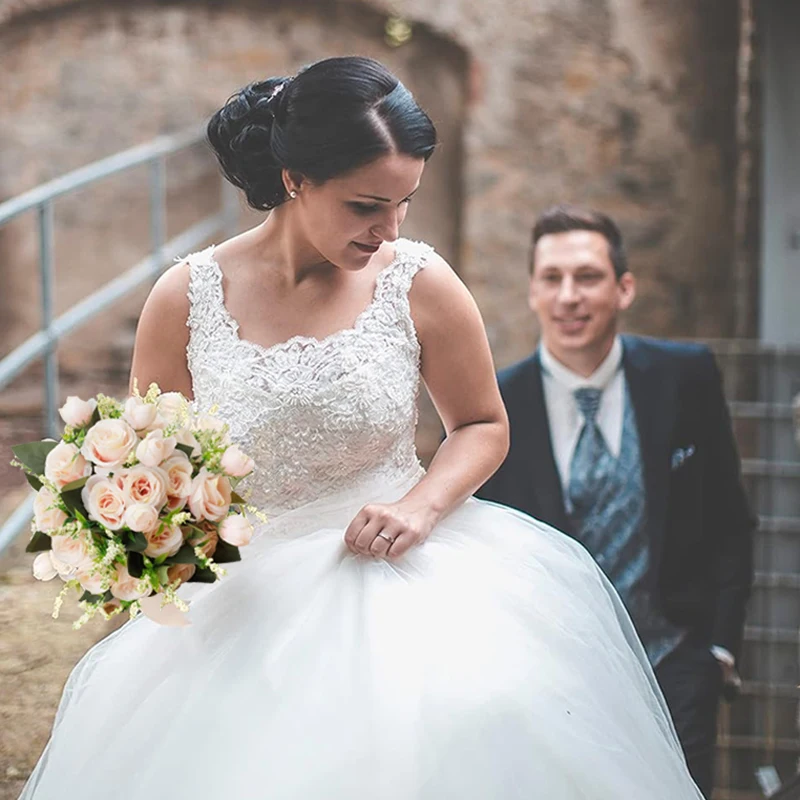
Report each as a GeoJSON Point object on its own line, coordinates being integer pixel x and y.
{"type": "Point", "coordinates": [388, 530]}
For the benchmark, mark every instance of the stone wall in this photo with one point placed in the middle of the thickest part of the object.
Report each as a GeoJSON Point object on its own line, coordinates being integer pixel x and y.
{"type": "Point", "coordinates": [627, 105]}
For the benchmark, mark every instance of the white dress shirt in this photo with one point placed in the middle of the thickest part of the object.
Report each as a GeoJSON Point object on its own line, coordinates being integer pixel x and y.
{"type": "Point", "coordinates": [563, 414]}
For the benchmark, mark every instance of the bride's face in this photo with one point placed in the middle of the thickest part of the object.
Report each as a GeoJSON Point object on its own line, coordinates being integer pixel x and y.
{"type": "Point", "coordinates": [347, 219]}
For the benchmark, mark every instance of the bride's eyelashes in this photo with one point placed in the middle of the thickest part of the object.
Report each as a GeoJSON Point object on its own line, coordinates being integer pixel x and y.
{"type": "Point", "coordinates": [365, 209]}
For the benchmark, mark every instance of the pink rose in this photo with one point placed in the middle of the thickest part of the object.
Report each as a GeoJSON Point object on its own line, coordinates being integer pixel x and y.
{"type": "Point", "coordinates": [206, 538]}
{"type": "Point", "coordinates": [141, 484]}
{"type": "Point", "coordinates": [76, 412]}
{"type": "Point", "coordinates": [109, 443]}
{"type": "Point", "coordinates": [180, 573]}
{"type": "Point", "coordinates": [43, 567]}
{"type": "Point", "coordinates": [179, 479]}
{"type": "Point", "coordinates": [105, 502]}
{"type": "Point", "coordinates": [126, 587]}
{"type": "Point", "coordinates": [236, 530]}
{"type": "Point", "coordinates": [65, 464]}
{"type": "Point", "coordinates": [235, 463]}
{"type": "Point", "coordinates": [70, 550]}
{"type": "Point", "coordinates": [210, 497]}
{"type": "Point", "coordinates": [138, 414]}
{"type": "Point", "coordinates": [47, 515]}
{"type": "Point", "coordinates": [155, 447]}
{"type": "Point", "coordinates": [163, 541]}
{"type": "Point", "coordinates": [93, 582]}
{"type": "Point", "coordinates": [141, 517]}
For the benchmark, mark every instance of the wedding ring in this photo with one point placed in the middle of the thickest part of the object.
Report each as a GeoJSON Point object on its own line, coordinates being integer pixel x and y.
{"type": "Point", "coordinates": [388, 538]}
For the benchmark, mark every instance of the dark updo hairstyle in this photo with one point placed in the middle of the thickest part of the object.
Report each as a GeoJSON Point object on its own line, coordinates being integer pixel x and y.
{"type": "Point", "coordinates": [332, 117]}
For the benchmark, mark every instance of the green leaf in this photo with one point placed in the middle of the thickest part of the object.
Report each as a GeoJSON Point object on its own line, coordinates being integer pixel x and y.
{"type": "Point", "coordinates": [88, 597]}
{"type": "Point", "coordinates": [202, 575]}
{"type": "Point", "coordinates": [33, 481]}
{"type": "Point", "coordinates": [226, 553]}
{"type": "Point", "coordinates": [33, 454]}
{"type": "Point", "coordinates": [73, 502]}
{"type": "Point", "coordinates": [135, 542]}
{"type": "Point", "coordinates": [39, 543]}
{"type": "Point", "coordinates": [75, 485]}
{"type": "Point", "coordinates": [238, 499]}
{"type": "Point", "coordinates": [136, 565]}
{"type": "Point", "coordinates": [95, 418]}
{"type": "Point", "coordinates": [185, 555]}
{"type": "Point", "coordinates": [185, 448]}
{"type": "Point", "coordinates": [108, 597]}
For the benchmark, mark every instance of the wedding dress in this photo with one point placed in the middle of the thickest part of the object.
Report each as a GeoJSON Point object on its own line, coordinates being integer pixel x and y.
{"type": "Point", "coordinates": [493, 662]}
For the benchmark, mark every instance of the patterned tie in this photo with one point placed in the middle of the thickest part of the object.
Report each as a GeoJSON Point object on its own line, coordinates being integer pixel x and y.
{"type": "Point", "coordinates": [591, 461]}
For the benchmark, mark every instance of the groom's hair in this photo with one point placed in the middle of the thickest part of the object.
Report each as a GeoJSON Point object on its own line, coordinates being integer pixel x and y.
{"type": "Point", "coordinates": [565, 218]}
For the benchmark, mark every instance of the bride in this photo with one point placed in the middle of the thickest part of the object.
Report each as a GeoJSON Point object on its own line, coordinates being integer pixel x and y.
{"type": "Point", "coordinates": [386, 636]}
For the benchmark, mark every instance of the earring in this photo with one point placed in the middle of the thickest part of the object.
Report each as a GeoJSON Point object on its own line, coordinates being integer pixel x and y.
{"type": "Point", "coordinates": [293, 194]}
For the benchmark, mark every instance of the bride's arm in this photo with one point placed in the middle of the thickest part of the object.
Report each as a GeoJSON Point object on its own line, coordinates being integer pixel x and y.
{"type": "Point", "coordinates": [159, 354]}
{"type": "Point", "coordinates": [459, 373]}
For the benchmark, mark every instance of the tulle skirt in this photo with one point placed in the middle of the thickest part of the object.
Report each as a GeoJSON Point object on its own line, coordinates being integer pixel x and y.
{"type": "Point", "coordinates": [495, 661]}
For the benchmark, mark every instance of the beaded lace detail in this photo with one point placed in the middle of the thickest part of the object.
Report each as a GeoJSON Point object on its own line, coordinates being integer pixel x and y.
{"type": "Point", "coordinates": [319, 416]}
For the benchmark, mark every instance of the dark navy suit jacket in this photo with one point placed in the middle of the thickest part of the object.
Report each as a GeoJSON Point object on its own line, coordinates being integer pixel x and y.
{"type": "Point", "coordinates": [699, 523]}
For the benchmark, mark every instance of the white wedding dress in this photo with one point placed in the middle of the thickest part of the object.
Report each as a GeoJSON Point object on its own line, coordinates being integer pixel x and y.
{"type": "Point", "coordinates": [493, 662]}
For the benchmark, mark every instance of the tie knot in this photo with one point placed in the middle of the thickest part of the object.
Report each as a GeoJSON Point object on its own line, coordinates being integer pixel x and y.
{"type": "Point", "coordinates": [588, 400]}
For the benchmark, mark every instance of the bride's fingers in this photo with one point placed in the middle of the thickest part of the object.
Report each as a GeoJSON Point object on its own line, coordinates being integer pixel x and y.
{"type": "Point", "coordinates": [366, 536]}
{"type": "Point", "coordinates": [382, 542]}
{"type": "Point", "coordinates": [355, 528]}
{"type": "Point", "coordinates": [402, 544]}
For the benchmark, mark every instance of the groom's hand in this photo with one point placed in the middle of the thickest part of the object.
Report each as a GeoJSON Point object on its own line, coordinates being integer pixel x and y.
{"type": "Point", "coordinates": [388, 530]}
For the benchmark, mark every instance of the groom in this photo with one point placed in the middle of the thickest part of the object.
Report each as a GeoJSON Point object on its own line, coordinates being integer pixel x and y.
{"type": "Point", "coordinates": [625, 443]}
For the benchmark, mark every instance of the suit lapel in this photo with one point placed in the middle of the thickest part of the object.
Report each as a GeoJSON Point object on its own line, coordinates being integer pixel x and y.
{"type": "Point", "coordinates": [544, 479]}
{"type": "Point", "coordinates": [653, 400]}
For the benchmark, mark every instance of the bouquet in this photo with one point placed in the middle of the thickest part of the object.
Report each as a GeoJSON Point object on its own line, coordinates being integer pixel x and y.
{"type": "Point", "coordinates": [135, 499]}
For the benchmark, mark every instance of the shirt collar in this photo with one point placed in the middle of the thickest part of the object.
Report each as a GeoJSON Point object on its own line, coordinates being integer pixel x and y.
{"type": "Point", "coordinates": [599, 379]}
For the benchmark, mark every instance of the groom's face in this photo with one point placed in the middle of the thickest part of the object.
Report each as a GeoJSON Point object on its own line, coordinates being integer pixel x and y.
{"type": "Point", "coordinates": [575, 292]}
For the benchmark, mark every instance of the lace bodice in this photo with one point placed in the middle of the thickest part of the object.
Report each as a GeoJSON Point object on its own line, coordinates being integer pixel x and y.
{"type": "Point", "coordinates": [319, 416]}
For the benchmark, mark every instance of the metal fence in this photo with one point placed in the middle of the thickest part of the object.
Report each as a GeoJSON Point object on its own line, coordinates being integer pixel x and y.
{"type": "Point", "coordinates": [761, 728]}
{"type": "Point", "coordinates": [41, 201]}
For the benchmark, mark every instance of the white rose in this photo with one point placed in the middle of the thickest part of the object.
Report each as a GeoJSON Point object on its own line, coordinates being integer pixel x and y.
{"type": "Point", "coordinates": [208, 422]}
{"type": "Point", "coordinates": [76, 412]}
{"type": "Point", "coordinates": [65, 464]}
{"type": "Point", "coordinates": [141, 517]}
{"type": "Point", "coordinates": [47, 515]}
{"type": "Point", "coordinates": [173, 407]}
{"type": "Point", "coordinates": [65, 571]}
{"type": "Point", "coordinates": [235, 463]}
{"type": "Point", "coordinates": [141, 484]}
{"type": "Point", "coordinates": [138, 414]}
{"type": "Point", "coordinates": [43, 568]}
{"type": "Point", "coordinates": [210, 497]}
{"type": "Point", "coordinates": [126, 587]}
{"type": "Point", "coordinates": [179, 479]}
{"type": "Point", "coordinates": [236, 530]}
{"type": "Point", "coordinates": [163, 541]}
{"type": "Point", "coordinates": [70, 550]}
{"type": "Point", "coordinates": [154, 448]}
{"type": "Point", "coordinates": [185, 437]}
{"type": "Point", "coordinates": [109, 443]}
{"type": "Point", "coordinates": [104, 501]}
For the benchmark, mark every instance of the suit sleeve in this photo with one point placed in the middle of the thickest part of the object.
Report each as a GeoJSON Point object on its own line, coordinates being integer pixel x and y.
{"type": "Point", "coordinates": [729, 519]}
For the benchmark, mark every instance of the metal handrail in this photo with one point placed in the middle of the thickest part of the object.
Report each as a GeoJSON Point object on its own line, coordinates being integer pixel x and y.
{"type": "Point", "coordinates": [43, 343]}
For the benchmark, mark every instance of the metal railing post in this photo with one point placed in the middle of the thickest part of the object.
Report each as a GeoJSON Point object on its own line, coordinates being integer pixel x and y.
{"type": "Point", "coordinates": [47, 270]}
